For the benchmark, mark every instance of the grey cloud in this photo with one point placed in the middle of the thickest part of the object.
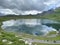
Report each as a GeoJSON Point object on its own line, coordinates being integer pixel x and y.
{"type": "Point", "coordinates": [25, 5]}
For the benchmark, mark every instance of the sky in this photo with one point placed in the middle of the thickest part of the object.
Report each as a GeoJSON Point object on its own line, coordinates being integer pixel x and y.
{"type": "Point", "coordinates": [27, 6]}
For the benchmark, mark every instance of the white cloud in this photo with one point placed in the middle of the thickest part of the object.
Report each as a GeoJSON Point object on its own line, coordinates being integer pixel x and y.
{"type": "Point", "coordinates": [17, 12]}
{"type": "Point", "coordinates": [31, 12]}
{"type": "Point", "coordinates": [6, 11]}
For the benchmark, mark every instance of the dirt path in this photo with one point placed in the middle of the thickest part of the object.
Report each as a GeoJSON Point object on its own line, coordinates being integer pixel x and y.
{"type": "Point", "coordinates": [42, 41]}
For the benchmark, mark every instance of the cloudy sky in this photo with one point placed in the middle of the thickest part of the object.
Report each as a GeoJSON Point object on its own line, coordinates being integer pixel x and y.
{"type": "Point", "coordinates": [27, 6]}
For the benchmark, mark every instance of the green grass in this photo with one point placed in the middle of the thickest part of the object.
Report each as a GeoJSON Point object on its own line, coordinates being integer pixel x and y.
{"type": "Point", "coordinates": [24, 35]}
{"type": "Point", "coordinates": [10, 37]}
{"type": "Point", "coordinates": [52, 17]}
{"type": "Point", "coordinates": [51, 33]}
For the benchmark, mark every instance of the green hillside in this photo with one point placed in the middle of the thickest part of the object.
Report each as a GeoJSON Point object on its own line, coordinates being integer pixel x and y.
{"type": "Point", "coordinates": [53, 16]}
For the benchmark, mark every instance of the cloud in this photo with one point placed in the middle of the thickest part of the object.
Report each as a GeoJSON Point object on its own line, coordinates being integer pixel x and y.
{"type": "Point", "coordinates": [19, 6]}
{"type": "Point", "coordinates": [52, 4]}
{"type": "Point", "coordinates": [31, 12]}
{"type": "Point", "coordinates": [6, 11]}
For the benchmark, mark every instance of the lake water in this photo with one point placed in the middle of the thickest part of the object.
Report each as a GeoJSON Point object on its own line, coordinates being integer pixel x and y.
{"type": "Point", "coordinates": [30, 26]}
